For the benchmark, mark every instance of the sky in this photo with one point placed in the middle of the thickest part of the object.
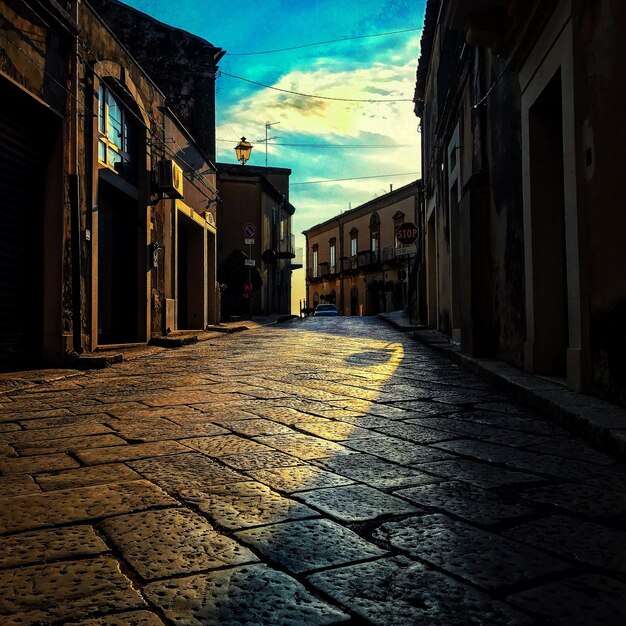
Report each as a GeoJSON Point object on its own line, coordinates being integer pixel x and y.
{"type": "Point", "coordinates": [382, 136]}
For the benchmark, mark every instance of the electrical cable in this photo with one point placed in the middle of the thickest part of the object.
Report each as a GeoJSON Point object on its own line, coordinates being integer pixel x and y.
{"type": "Point", "coordinates": [338, 180]}
{"type": "Point", "coordinates": [308, 95]}
{"type": "Point", "coordinates": [321, 145]}
{"type": "Point", "coordinates": [320, 43]}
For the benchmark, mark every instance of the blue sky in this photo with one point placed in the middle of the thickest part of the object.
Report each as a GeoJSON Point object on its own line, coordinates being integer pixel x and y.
{"type": "Point", "coordinates": [370, 68]}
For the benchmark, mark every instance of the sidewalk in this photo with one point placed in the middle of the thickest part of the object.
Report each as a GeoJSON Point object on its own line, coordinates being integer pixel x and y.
{"type": "Point", "coordinates": [24, 379]}
{"type": "Point", "coordinates": [601, 423]}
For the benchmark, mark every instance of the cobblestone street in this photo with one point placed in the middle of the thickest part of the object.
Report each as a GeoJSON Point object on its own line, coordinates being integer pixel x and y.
{"type": "Point", "coordinates": [317, 472]}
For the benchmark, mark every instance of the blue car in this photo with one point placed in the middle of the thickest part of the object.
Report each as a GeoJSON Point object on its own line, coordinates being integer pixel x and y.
{"type": "Point", "coordinates": [325, 310]}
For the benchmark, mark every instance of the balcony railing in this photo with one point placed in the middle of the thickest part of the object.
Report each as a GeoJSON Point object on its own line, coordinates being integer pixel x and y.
{"type": "Point", "coordinates": [286, 247]}
{"type": "Point", "coordinates": [312, 272]}
{"type": "Point", "coordinates": [298, 260]}
{"type": "Point", "coordinates": [366, 257]}
{"type": "Point", "coordinates": [324, 269]}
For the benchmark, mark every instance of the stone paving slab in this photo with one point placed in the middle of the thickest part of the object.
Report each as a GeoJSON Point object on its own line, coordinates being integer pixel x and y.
{"type": "Point", "coordinates": [574, 449]}
{"type": "Point", "coordinates": [398, 450]}
{"type": "Point", "coordinates": [591, 499]}
{"type": "Point", "coordinates": [17, 485]}
{"type": "Point", "coordinates": [245, 504]}
{"type": "Point", "coordinates": [526, 460]}
{"type": "Point", "coordinates": [43, 546]}
{"type": "Point", "coordinates": [7, 451]}
{"type": "Point", "coordinates": [225, 445]}
{"type": "Point", "coordinates": [307, 545]}
{"type": "Point", "coordinates": [77, 505]}
{"type": "Point", "coordinates": [162, 430]}
{"type": "Point", "coordinates": [587, 600]}
{"type": "Point", "coordinates": [67, 421]}
{"type": "Point", "coordinates": [136, 618]}
{"type": "Point", "coordinates": [482, 558]}
{"type": "Point", "coordinates": [398, 592]}
{"type": "Point", "coordinates": [255, 427]}
{"type": "Point", "coordinates": [512, 421]}
{"type": "Point", "coordinates": [241, 596]}
{"type": "Point", "coordinates": [42, 594]}
{"type": "Point", "coordinates": [179, 472]}
{"type": "Point", "coordinates": [571, 538]}
{"type": "Point", "coordinates": [259, 460]}
{"type": "Point", "coordinates": [375, 472]}
{"type": "Point", "coordinates": [355, 503]}
{"type": "Point", "coordinates": [465, 501]}
{"type": "Point", "coordinates": [118, 454]}
{"type": "Point", "coordinates": [300, 478]}
{"type": "Point", "coordinates": [479, 474]}
{"type": "Point", "coordinates": [415, 433]}
{"type": "Point", "coordinates": [304, 447]}
{"type": "Point", "coordinates": [334, 430]}
{"type": "Point", "coordinates": [37, 464]}
{"type": "Point", "coordinates": [170, 542]}
{"type": "Point", "coordinates": [70, 444]}
{"type": "Point", "coordinates": [25, 437]}
{"type": "Point", "coordinates": [85, 476]}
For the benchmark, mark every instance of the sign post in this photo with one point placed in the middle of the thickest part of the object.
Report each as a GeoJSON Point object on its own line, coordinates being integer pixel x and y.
{"type": "Point", "coordinates": [406, 235]}
{"type": "Point", "coordinates": [249, 231]}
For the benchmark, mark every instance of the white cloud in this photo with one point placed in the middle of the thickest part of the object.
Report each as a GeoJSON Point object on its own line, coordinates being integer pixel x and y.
{"type": "Point", "coordinates": [305, 120]}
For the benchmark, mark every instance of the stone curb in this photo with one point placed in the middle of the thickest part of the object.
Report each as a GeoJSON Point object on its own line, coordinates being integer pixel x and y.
{"type": "Point", "coordinates": [599, 422]}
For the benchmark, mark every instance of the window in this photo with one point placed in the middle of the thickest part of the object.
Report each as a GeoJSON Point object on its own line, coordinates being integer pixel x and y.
{"type": "Point", "coordinates": [315, 264]}
{"type": "Point", "coordinates": [375, 234]}
{"type": "Point", "coordinates": [398, 220]}
{"type": "Point", "coordinates": [116, 135]}
{"type": "Point", "coordinates": [333, 255]}
{"type": "Point", "coordinates": [354, 242]}
{"type": "Point", "coordinates": [375, 237]}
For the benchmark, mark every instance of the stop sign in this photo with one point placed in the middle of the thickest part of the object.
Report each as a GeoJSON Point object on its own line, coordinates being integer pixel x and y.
{"type": "Point", "coordinates": [407, 234]}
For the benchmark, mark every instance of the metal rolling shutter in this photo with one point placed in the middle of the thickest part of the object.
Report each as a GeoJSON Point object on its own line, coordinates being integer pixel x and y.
{"type": "Point", "coordinates": [21, 193]}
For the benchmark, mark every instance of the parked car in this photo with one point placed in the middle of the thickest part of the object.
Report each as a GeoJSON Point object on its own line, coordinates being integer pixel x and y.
{"type": "Point", "coordinates": [326, 310]}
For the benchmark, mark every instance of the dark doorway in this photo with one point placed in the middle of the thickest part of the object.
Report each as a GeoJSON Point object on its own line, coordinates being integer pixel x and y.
{"type": "Point", "coordinates": [118, 266]}
{"type": "Point", "coordinates": [549, 274]}
{"type": "Point", "coordinates": [354, 301]}
{"type": "Point", "coordinates": [190, 274]}
{"type": "Point", "coordinates": [28, 132]}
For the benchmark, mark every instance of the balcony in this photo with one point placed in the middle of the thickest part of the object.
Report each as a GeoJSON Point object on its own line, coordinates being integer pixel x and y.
{"type": "Point", "coordinates": [324, 269]}
{"type": "Point", "coordinates": [297, 261]}
{"type": "Point", "coordinates": [286, 247]}
{"type": "Point", "coordinates": [313, 273]}
{"type": "Point", "coordinates": [366, 257]}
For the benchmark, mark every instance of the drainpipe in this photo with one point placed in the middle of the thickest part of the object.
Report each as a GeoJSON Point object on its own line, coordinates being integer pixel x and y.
{"type": "Point", "coordinates": [74, 190]}
{"type": "Point", "coordinates": [341, 277]}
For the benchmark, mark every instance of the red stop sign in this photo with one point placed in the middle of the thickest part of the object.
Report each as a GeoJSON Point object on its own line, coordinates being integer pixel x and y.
{"type": "Point", "coordinates": [407, 234]}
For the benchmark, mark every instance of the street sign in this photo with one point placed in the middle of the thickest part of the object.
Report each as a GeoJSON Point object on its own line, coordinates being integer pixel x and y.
{"type": "Point", "coordinates": [249, 241]}
{"type": "Point", "coordinates": [406, 250]}
{"type": "Point", "coordinates": [249, 231]}
{"type": "Point", "coordinates": [250, 263]}
{"type": "Point", "coordinates": [407, 234]}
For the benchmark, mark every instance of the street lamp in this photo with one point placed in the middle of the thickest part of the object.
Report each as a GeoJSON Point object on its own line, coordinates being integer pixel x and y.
{"type": "Point", "coordinates": [242, 150]}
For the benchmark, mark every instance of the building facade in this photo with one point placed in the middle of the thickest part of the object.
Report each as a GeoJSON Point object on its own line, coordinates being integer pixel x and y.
{"type": "Point", "coordinates": [520, 107]}
{"type": "Point", "coordinates": [110, 203]}
{"type": "Point", "coordinates": [255, 227]}
{"type": "Point", "coordinates": [355, 260]}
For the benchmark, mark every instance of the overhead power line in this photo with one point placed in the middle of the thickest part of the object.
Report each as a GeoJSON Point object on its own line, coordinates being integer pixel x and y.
{"type": "Point", "coordinates": [308, 95]}
{"type": "Point", "coordinates": [327, 145]}
{"type": "Point", "coordinates": [338, 180]}
{"type": "Point", "coordinates": [321, 43]}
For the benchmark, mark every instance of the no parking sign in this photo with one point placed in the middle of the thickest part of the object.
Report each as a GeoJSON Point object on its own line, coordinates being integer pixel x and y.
{"type": "Point", "coordinates": [249, 231]}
